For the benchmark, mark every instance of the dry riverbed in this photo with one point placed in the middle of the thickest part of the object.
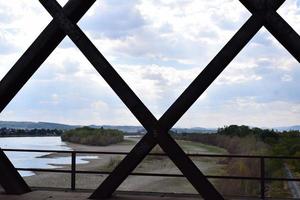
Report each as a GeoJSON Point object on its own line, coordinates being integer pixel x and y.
{"type": "Point", "coordinates": [210, 166]}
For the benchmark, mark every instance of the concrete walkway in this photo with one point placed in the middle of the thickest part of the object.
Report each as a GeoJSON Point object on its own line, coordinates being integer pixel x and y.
{"type": "Point", "coordinates": [61, 195]}
{"type": "Point", "coordinates": [83, 195]}
{"type": "Point", "coordinates": [294, 187]}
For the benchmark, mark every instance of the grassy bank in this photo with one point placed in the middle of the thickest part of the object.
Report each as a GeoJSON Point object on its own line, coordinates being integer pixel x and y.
{"type": "Point", "coordinates": [92, 136]}
{"type": "Point", "coordinates": [253, 141]}
{"type": "Point", "coordinates": [163, 164]}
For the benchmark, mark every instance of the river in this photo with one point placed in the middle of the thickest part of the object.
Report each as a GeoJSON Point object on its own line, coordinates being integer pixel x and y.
{"type": "Point", "coordinates": [34, 160]}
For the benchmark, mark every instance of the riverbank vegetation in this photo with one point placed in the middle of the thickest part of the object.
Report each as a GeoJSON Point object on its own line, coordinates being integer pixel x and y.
{"type": "Point", "coordinates": [93, 136]}
{"type": "Point", "coordinates": [11, 132]}
{"type": "Point", "coordinates": [253, 141]}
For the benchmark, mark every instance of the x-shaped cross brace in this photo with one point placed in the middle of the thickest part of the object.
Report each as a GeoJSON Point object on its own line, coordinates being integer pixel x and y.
{"type": "Point", "coordinates": [157, 130]}
{"type": "Point", "coordinates": [264, 13]}
{"type": "Point", "coordinates": [21, 72]}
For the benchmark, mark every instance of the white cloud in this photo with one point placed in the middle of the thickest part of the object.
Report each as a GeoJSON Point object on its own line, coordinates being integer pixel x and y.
{"type": "Point", "coordinates": [287, 78]}
{"type": "Point", "coordinates": [290, 12]}
{"type": "Point", "coordinates": [244, 111]}
{"type": "Point", "coordinates": [158, 47]}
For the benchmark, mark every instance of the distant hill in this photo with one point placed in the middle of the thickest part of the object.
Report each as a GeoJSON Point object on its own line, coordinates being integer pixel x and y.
{"type": "Point", "coordinates": [51, 126]}
{"type": "Point", "coordinates": [35, 125]}
{"type": "Point", "coordinates": [126, 129]}
{"type": "Point", "coordinates": [288, 128]}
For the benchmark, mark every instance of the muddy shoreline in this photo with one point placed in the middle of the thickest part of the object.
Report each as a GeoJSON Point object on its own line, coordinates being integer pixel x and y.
{"type": "Point", "coordinates": [137, 183]}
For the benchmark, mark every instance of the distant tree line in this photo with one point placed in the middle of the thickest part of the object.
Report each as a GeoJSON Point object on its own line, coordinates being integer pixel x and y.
{"type": "Point", "coordinates": [252, 141]}
{"type": "Point", "coordinates": [10, 132]}
{"type": "Point", "coordinates": [228, 137]}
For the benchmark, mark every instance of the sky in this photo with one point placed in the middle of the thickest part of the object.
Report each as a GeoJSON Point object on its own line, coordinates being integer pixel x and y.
{"type": "Point", "coordinates": [158, 47]}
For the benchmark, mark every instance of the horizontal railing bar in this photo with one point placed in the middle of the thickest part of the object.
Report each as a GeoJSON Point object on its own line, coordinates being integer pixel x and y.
{"type": "Point", "coordinates": [254, 178]}
{"type": "Point", "coordinates": [44, 170]}
{"type": "Point", "coordinates": [133, 174]}
{"type": "Point", "coordinates": [65, 151]}
{"type": "Point", "coordinates": [151, 154]}
{"type": "Point", "coordinates": [159, 174]}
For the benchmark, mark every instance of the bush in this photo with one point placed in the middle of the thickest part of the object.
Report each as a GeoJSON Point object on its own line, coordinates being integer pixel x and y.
{"type": "Point", "coordinates": [92, 136]}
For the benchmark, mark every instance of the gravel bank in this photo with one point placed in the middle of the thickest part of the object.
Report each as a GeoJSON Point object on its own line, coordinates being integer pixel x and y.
{"type": "Point", "coordinates": [137, 183]}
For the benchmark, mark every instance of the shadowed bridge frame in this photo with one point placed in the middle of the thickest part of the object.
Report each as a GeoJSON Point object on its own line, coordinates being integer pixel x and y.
{"type": "Point", "coordinates": [263, 14]}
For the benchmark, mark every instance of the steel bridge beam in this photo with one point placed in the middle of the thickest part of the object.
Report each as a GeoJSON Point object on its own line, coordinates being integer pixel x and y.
{"type": "Point", "coordinates": [188, 168]}
{"type": "Point", "coordinates": [263, 14]}
{"type": "Point", "coordinates": [10, 179]}
{"type": "Point", "coordinates": [21, 72]}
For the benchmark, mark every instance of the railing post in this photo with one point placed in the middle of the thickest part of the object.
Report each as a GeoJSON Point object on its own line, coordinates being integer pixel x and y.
{"type": "Point", "coordinates": [73, 171]}
{"type": "Point", "coordinates": [262, 178]}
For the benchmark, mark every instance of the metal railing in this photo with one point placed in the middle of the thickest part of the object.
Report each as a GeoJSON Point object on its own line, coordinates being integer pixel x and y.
{"type": "Point", "coordinates": [262, 178]}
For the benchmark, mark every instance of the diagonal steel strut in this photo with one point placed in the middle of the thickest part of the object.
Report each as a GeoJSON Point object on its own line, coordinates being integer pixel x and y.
{"type": "Point", "coordinates": [38, 52]}
{"type": "Point", "coordinates": [182, 104]}
{"type": "Point", "coordinates": [160, 134]}
{"type": "Point", "coordinates": [264, 13]}
{"type": "Point", "coordinates": [193, 174]}
{"type": "Point", "coordinates": [10, 179]}
{"type": "Point", "coordinates": [21, 72]}
{"type": "Point", "coordinates": [184, 101]}
{"type": "Point", "coordinates": [277, 26]}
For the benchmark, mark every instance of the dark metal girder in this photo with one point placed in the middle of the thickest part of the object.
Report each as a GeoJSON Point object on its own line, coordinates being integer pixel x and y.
{"type": "Point", "coordinates": [38, 52]}
{"type": "Point", "coordinates": [125, 167]}
{"type": "Point", "coordinates": [186, 100]}
{"type": "Point", "coordinates": [131, 101]}
{"type": "Point", "coordinates": [21, 72]}
{"type": "Point", "coordinates": [211, 72]}
{"type": "Point", "coordinates": [284, 33]}
{"type": "Point", "coordinates": [213, 69]}
{"type": "Point", "coordinates": [157, 130]}
{"type": "Point", "coordinates": [262, 5]}
{"type": "Point", "coordinates": [277, 26]}
{"type": "Point", "coordinates": [128, 164]}
{"type": "Point", "coordinates": [102, 66]}
{"type": "Point", "coordinates": [160, 128]}
{"type": "Point", "coordinates": [10, 179]}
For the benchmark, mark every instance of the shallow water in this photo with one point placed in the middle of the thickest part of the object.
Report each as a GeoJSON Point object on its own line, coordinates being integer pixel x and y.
{"type": "Point", "coordinates": [31, 159]}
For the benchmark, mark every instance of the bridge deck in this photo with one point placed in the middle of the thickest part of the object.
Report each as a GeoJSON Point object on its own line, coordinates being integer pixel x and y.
{"type": "Point", "coordinates": [81, 195]}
